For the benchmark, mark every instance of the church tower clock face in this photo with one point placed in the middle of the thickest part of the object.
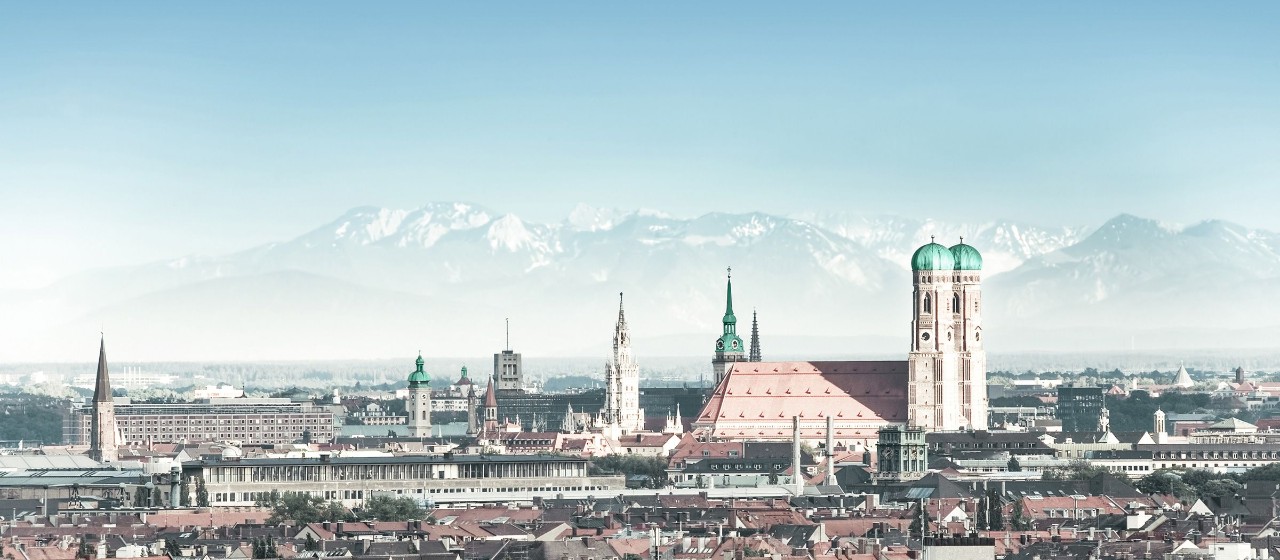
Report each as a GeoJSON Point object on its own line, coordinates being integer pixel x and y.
{"type": "Point", "coordinates": [719, 345]}
{"type": "Point", "coordinates": [924, 336]}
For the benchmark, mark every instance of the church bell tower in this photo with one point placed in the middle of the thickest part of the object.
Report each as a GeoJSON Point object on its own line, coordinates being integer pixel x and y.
{"type": "Point", "coordinates": [418, 405]}
{"type": "Point", "coordinates": [729, 347]}
{"type": "Point", "coordinates": [947, 364]}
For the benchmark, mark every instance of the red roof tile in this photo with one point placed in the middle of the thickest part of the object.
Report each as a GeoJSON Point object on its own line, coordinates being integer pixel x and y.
{"type": "Point", "coordinates": [871, 392]}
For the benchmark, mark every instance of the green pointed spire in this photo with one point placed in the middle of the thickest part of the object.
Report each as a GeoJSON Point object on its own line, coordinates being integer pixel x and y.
{"type": "Point", "coordinates": [729, 341]}
{"type": "Point", "coordinates": [729, 319]}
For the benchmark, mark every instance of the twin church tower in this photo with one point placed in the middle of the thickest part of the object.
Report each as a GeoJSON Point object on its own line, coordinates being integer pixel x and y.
{"type": "Point", "coordinates": [946, 368]}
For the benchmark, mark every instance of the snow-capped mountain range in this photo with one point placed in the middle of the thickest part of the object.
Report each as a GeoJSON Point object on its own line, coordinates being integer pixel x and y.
{"type": "Point", "coordinates": [379, 282]}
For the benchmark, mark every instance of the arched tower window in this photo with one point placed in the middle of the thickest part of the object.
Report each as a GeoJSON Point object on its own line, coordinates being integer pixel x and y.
{"type": "Point", "coordinates": [955, 302]}
{"type": "Point", "coordinates": [928, 304]}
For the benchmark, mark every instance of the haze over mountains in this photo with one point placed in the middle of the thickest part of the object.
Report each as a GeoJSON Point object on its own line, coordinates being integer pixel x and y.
{"type": "Point", "coordinates": [383, 283]}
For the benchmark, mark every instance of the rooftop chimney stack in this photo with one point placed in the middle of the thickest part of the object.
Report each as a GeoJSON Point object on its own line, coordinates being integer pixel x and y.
{"type": "Point", "coordinates": [795, 455]}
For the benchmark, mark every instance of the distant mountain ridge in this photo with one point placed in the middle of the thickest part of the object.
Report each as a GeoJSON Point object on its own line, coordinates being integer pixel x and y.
{"type": "Point", "coordinates": [379, 282]}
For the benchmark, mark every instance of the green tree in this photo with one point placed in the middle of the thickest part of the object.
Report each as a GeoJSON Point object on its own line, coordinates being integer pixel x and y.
{"type": "Point", "coordinates": [171, 548]}
{"type": "Point", "coordinates": [1165, 482]}
{"type": "Point", "coordinates": [311, 543]}
{"type": "Point", "coordinates": [265, 547]}
{"type": "Point", "coordinates": [991, 514]}
{"type": "Point", "coordinates": [86, 550]}
{"type": "Point", "coordinates": [1267, 472]}
{"type": "Point", "coordinates": [630, 465]}
{"type": "Point", "coordinates": [202, 493]}
{"type": "Point", "coordinates": [1018, 520]}
{"type": "Point", "coordinates": [387, 508]}
{"type": "Point", "coordinates": [1079, 470]}
{"type": "Point", "coordinates": [302, 508]}
{"type": "Point", "coordinates": [920, 520]}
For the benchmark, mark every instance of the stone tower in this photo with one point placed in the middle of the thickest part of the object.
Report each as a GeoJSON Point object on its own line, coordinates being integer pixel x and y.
{"type": "Point", "coordinates": [1159, 426]}
{"type": "Point", "coordinates": [729, 347]}
{"type": "Point", "coordinates": [418, 405]}
{"type": "Point", "coordinates": [104, 439]}
{"type": "Point", "coordinates": [508, 367]}
{"type": "Point", "coordinates": [947, 363]}
{"type": "Point", "coordinates": [902, 453]}
{"type": "Point", "coordinates": [967, 309]}
{"type": "Point", "coordinates": [754, 355]}
{"type": "Point", "coordinates": [473, 403]}
{"type": "Point", "coordinates": [622, 414]}
{"type": "Point", "coordinates": [490, 428]}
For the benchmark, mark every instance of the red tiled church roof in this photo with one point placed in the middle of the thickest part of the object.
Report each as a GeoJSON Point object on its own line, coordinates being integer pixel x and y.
{"type": "Point", "coordinates": [758, 392]}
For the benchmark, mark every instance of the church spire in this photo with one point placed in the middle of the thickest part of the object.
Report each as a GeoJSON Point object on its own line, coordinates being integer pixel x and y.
{"type": "Point", "coordinates": [729, 319]}
{"type": "Point", "coordinates": [103, 437]}
{"type": "Point", "coordinates": [102, 385]}
{"type": "Point", "coordinates": [754, 355]}
{"type": "Point", "coordinates": [729, 346]}
{"type": "Point", "coordinates": [622, 315]}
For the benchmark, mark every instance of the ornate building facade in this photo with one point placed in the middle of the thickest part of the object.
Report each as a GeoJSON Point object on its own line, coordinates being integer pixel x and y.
{"type": "Point", "coordinates": [622, 414]}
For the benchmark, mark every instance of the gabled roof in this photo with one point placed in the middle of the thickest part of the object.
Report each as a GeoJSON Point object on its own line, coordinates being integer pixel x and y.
{"type": "Point", "coordinates": [940, 486]}
{"type": "Point", "coordinates": [1232, 424]}
{"type": "Point", "coordinates": [770, 391]}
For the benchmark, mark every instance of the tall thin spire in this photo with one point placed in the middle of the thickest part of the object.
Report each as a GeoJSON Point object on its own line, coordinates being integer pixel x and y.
{"type": "Point", "coordinates": [103, 437]}
{"type": "Point", "coordinates": [102, 385]}
{"type": "Point", "coordinates": [508, 333]}
{"type": "Point", "coordinates": [754, 355]}
{"type": "Point", "coordinates": [729, 319]}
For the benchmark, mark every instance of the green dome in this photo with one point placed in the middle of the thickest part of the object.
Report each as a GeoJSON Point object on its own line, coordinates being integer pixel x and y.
{"type": "Point", "coordinates": [966, 257]}
{"type": "Point", "coordinates": [419, 377]}
{"type": "Point", "coordinates": [932, 257]}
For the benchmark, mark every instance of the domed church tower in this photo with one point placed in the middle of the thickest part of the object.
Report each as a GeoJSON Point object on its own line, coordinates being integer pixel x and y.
{"type": "Point", "coordinates": [967, 312]}
{"type": "Point", "coordinates": [729, 347]}
{"type": "Point", "coordinates": [418, 405]}
{"type": "Point", "coordinates": [947, 366]}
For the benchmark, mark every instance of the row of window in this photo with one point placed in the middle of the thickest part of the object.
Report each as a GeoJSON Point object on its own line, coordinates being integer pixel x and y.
{"type": "Point", "coordinates": [955, 278]}
{"type": "Point", "coordinates": [739, 467]}
{"type": "Point", "coordinates": [1216, 455]}
{"type": "Point", "coordinates": [513, 489]}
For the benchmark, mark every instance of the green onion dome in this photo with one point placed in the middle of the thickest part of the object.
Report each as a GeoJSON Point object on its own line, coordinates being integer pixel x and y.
{"type": "Point", "coordinates": [932, 257]}
{"type": "Point", "coordinates": [966, 257]}
{"type": "Point", "coordinates": [419, 377]}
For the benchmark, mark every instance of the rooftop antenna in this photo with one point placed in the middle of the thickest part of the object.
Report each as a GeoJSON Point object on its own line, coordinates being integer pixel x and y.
{"type": "Point", "coordinates": [508, 333]}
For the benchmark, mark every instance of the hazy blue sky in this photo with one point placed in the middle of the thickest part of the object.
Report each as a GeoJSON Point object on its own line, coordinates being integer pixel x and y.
{"type": "Point", "coordinates": [134, 131]}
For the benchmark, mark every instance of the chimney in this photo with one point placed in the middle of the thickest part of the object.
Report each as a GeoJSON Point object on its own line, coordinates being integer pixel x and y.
{"type": "Point", "coordinates": [831, 451]}
{"type": "Point", "coordinates": [795, 455]}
